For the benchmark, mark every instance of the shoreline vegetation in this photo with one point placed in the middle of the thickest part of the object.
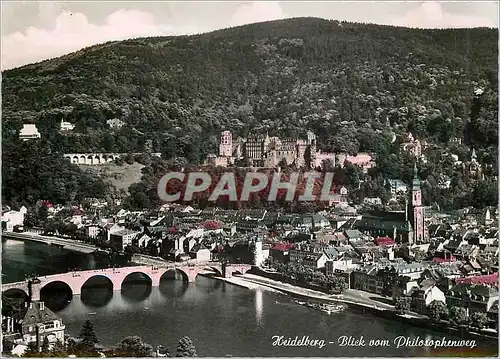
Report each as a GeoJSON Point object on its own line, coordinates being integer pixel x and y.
{"type": "Point", "coordinates": [86, 344]}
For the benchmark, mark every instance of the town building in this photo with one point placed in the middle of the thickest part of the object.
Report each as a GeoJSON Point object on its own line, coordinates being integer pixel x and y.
{"type": "Point", "coordinates": [395, 225]}
{"type": "Point", "coordinates": [123, 238]}
{"type": "Point", "coordinates": [473, 169]}
{"type": "Point", "coordinates": [66, 126]}
{"type": "Point", "coordinates": [363, 160]}
{"type": "Point", "coordinates": [29, 132]}
{"type": "Point", "coordinates": [424, 294]}
{"type": "Point", "coordinates": [40, 322]}
{"type": "Point", "coordinates": [11, 219]}
{"type": "Point", "coordinates": [397, 186]}
{"type": "Point", "coordinates": [115, 123]}
{"type": "Point", "coordinates": [412, 146]}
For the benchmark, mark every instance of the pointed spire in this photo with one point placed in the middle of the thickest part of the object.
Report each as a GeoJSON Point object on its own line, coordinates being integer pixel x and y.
{"type": "Point", "coordinates": [415, 172]}
{"type": "Point", "coordinates": [473, 156]}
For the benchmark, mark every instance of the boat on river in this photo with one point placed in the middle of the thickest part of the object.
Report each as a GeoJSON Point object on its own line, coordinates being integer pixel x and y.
{"type": "Point", "coordinates": [328, 308]}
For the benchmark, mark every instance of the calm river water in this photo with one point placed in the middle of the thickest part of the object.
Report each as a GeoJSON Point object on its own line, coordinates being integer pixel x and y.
{"type": "Point", "coordinates": [222, 319]}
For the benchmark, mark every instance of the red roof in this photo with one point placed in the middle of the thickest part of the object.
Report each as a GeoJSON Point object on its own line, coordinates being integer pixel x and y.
{"type": "Point", "coordinates": [282, 246]}
{"type": "Point", "coordinates": [491, 279]}
{"type": "Point", "coordinates": [46, 203]}
{"type": "Point", "coordinates": [172, 229]}
{"type": "Point", "coordinates": [442, 260]}
{"type": "Point", "coordinates": [384, 241]}
{"type": "Point", "coordinates": [211, 225]}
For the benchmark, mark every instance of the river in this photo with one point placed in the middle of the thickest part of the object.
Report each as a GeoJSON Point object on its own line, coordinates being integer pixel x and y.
{"type": "Point", "coordinates": [222, 319]}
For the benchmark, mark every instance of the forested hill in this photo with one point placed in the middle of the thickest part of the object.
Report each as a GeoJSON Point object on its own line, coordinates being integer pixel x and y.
{"type": "Point", "coordinates": [341, 80]}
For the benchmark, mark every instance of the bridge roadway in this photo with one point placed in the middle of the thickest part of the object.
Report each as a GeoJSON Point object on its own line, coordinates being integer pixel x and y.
{"type": "Point", "coordinates": [77, 279]}
{"type": "Point", "coordinates": [98, 158]}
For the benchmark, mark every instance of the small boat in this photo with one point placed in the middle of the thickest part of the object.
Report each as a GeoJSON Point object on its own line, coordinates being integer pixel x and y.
{"type": "Point", "coordinates": [146, 308]}
{"type": "Point", "coordinates": [93, 313]}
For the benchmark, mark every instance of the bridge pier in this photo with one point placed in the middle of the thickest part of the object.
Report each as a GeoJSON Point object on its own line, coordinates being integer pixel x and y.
{"type": "Point", "coordinates": [34, 290]}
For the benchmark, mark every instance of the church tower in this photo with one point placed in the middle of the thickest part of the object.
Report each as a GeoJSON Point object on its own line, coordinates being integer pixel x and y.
{"type": "Point", "coordinates": [418, 211]}
{"type": "Point", "coordinates": [258, 257]}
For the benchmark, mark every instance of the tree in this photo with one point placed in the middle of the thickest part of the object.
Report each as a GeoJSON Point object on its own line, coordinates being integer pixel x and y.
{"type": "Point", "coordinates": [403, 304]}
{"type": "Point", "coordinates": [7, 345]}
{"type": "Point", "coordinates": [59, 350]}
{"type": "Point", "coordinates": [437, 310]}
{"type": "Point", "coordinates": [88, 337]}
{"type": "Point", "coordinates": [134, 346]}
{"type": "Point", "coordinates": [45, 346]}
{"type": "Point", "coordinates": [283, 163]}
{"type": "Point", "coordinates": [186, 348]}
{"type": "Point", "coordinates": [32, 350]}
{"type": "Point", "coordinates": [459, 316]}
{"type": "Point", "coordinates": [479, 320]}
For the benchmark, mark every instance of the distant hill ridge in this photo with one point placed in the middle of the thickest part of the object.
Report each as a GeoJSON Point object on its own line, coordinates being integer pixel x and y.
{"type": "Point", "coordinates": [281, 77]}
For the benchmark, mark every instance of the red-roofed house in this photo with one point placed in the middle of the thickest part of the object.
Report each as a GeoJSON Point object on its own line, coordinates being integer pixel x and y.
{"type": "Point", "coordinates": [490, 279]}
{"type": "Point", "coordinates": [385, 241]}
{"type": "Point", "coordinates": [442, 260]}
{"type": "Point", "coordinates": [280, 252]}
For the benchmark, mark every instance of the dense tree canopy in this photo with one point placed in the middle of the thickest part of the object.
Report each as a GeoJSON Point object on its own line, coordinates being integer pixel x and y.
{"type": "Point", "coordinates": [355, 85]}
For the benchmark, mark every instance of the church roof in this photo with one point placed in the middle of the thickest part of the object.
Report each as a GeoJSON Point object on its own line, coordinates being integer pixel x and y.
{"type": "Point", "coordinates": [37, 312]}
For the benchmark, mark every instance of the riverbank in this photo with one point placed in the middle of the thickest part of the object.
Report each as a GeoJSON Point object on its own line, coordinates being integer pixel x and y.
{"type": "Point", "coordinates": [357, 300]}
{"type": "Point", "coordinates": [68, 244]}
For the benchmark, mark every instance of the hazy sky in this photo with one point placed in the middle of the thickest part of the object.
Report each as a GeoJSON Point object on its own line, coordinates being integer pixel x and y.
{"type": "Point", "coordinates": [37, 30]}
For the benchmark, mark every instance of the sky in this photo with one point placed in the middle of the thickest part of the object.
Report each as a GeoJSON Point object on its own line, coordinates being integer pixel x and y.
{"type": "Point", "coordinates": [33, 31]}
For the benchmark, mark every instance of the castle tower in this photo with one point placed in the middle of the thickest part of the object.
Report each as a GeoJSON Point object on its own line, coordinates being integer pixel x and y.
{"type": "Point", "coordinates": [226, 144]}
{"type": "Point", "coordinates": [418, 211]}
{"type": "Point", "coordinates": [311, 141]}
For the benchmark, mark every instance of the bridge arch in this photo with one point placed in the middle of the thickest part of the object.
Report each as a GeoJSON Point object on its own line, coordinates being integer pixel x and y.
{"type": "Point", "coordinates": [216, 270]}
{"type": "Point", "coordinates": [96, 277]}
{"type": "Point", "coordinates": [239, 269]}
{"type": "Point", "coordinates": [15, 292]}
{"type": "Point", "coordinates": [185, 276]}
{"type": "Point", "coordinates": [81, 160]}
{"type": "Point", "coordinates": [61, 283]}
{"type": "Point", "coordinates": [57, 293]}
{"type": "Point", "coordinates": [127, 277]}
{"type": "Point", "coordinates": [74, 160]}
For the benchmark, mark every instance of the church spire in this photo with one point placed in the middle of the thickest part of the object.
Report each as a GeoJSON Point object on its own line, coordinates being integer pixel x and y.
{"type": "Point", "coordinates": [416, 180]}
{"type": "Point", "coordinates": [473, 156]}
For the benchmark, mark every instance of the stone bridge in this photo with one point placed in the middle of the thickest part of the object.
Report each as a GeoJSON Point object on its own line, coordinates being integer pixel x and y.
{"type": "Point", "coordinates": [97, 158]}
{"type": "Point", "coordinates": [76, 280]}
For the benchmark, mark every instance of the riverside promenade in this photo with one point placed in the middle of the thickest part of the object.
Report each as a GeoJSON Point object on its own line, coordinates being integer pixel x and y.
{"type": "Point", "coordinates": [69, 244]}
{"type": "Point", "coordinates": [356, 299]}
{"type": "Point", "coordinates": [349, 296]}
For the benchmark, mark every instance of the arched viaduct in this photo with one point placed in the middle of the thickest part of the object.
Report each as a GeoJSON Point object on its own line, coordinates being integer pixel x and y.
{"type": "Point", "coordinates": [76, 280]}
{"type": "Point", "coordinates": [96, 158]}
